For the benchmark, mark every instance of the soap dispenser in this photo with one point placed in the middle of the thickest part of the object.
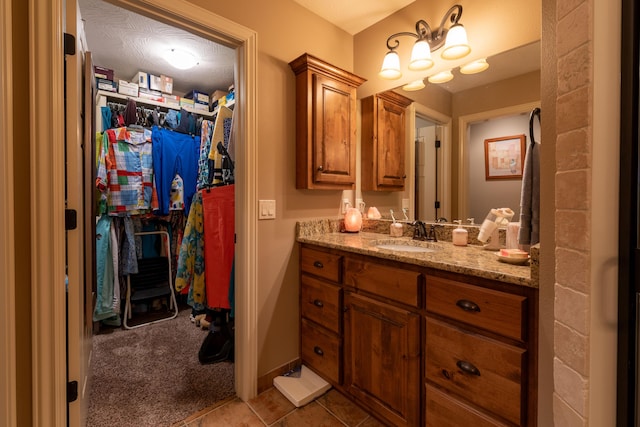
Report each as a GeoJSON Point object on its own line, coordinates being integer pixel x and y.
{"type": "Point", "coordinates": [460, 236]}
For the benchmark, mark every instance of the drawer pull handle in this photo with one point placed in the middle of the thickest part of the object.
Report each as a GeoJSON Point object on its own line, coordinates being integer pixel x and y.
{"type": "Point", "coordinates": [318, 264]}
{"type": "Point", "coordinates": [467, 305]}
{"type": "Point", "coordinates": [317, 350]}
{"type": "Point", "coordinates": [318, 303]}
{"type": "Point", "coordinates": [468, 367]}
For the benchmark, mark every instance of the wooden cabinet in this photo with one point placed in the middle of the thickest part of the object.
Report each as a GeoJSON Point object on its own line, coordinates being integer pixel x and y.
{"type": "Point", "coordinates": [384, 142]}
{"type": "Point", "coordinates": [418, 346]}
{"type": "Point", "coordinates": [480, 353]}
{"type": "Point", "coordinates": [325, 124]}
{"type": "Point", "coordinates": [321, 313]}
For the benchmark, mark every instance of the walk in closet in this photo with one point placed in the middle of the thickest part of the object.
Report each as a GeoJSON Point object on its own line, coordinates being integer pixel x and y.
{"type": "Point", "coordinates": [165, 229]}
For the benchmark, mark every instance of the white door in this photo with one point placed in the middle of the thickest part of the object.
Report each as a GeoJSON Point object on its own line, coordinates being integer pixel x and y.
{"type": "Point", "coordinates": [80, 240]}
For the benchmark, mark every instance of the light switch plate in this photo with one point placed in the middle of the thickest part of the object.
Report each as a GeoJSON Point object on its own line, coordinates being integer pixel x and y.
{"type": "Point", "coordinates": [267, 209]}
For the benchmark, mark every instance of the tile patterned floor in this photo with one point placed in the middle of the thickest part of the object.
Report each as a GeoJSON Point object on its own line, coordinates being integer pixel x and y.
{"type": "Point", "coordinates": [271, 408]}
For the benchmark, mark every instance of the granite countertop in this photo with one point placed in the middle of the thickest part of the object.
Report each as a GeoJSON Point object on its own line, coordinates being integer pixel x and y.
{"type": "Point", "coordinates": [471, 259]}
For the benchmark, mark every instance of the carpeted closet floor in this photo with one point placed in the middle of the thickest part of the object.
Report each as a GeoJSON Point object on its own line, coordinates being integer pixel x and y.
{"type": "Point", "coordinates": [151, 376]}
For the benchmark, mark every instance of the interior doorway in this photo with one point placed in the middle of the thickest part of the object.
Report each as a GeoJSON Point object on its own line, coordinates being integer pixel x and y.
{"type": "Point", "coordinates": [242, 40]}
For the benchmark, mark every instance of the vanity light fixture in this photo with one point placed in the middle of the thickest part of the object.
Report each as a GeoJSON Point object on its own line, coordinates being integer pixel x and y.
{"type": "Point", "coordinates": [414, 85]}
{"type": "Point", "coordinates": [180, 59]}
{"type": "Point", "coordinates": [474, 67]}
{"type": "Point", "coordinates": [441, 77]}
{"type": "Point", "coordinates": [454, 40]}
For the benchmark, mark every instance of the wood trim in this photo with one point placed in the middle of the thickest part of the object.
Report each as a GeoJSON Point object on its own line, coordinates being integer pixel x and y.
{"type": "Point", "coordinates": [46, 145]}
{"type": "Point", "coordinates": [8, 409]}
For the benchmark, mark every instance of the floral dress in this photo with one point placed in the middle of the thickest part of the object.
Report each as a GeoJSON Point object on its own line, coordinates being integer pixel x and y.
{"type": "Point", "coordinates": [191, 258]}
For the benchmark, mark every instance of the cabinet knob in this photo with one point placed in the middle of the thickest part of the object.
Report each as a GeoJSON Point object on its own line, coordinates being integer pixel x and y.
{"type": "Point", "coordinates": [467, 367]}
{"type": "Point", "coordinates": [318, 303]}
{"type": "Point", "coordinates": [467, 305]}
{"type": "Point", "coordinates": [320, 168]}
{"type": "Point", "coordinates": [317, 350]}
{"type": "Point", "coordinates": [318, 264]}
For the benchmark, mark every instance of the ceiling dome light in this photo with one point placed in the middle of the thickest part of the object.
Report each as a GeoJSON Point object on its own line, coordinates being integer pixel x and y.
{"type": "Point", "coordinates": [421, 56]}
{"type": "Point", "coordinates": [390, 66]}
{"type": "Point", "coordinates": [180, 59]}
{"type": "Point", "coordinates": [441, 77]}
{"type": "Point", "coordinates": [414, 85]}
{"type": "Point", "coordinates": [457, 45]}
{"type": "Point", "coordinates": [474, 67]}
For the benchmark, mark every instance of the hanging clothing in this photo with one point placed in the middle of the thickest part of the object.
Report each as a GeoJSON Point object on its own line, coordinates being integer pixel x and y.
{"type": "Point", "coordinates": [104, 270]}
{"type": "Point", "coordinates": [174, 153]}
{"type": "Point", "coordinates": [191, 270]}
{"type": "Point", "coordinates": [218, 205]}
{"type": "Point", "coordinates": [125, 172]}
{"type": "Point", "coordinates": [206, 133]}
{"type": "Point", "coordinates": [221, 134]}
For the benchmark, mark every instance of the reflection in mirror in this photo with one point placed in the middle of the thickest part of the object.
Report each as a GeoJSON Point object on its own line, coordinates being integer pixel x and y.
{"type": "Point", "coordinates": [510, 86]}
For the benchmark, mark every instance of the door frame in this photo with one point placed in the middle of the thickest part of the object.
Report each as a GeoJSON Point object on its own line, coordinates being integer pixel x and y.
{"type": "Point", "coordinates": [7, 253]}
{"type": "Point", "coordinates": [47, 191]}
{"type": "Point", "coordinates": [444, 173]}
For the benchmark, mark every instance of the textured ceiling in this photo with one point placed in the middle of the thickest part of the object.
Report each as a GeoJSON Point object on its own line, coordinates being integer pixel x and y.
{"type": "Point", "coordinates": [128, 43]}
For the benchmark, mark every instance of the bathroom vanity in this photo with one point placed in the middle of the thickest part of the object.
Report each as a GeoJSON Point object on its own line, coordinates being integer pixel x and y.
{"type": "Point", "coordinates": [431, 334]}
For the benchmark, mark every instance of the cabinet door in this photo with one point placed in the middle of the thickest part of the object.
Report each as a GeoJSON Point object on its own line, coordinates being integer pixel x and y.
{"type": "Point", "coordinates": [391, 144]}
{"type": "Point", "coordinates": [382, 358]}
{"type": "Point", "coordinates": [334, 150]}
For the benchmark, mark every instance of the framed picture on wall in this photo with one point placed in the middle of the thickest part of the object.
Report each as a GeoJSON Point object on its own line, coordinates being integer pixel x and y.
{"type": "Point", "coordinates": [504, 157]}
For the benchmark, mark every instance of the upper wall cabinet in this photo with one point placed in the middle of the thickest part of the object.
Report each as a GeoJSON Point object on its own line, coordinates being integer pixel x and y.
{"type": "Point", "coordinates": [325, 125]}
{"type": "Point", "coordinates": [383, 142]}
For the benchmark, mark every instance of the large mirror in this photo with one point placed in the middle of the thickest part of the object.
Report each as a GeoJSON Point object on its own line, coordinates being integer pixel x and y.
{"type": "Point", "coordinates": [449, 178]}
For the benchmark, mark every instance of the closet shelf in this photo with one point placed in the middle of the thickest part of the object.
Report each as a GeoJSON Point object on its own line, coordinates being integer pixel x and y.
{"type": "Point", "coordinates": [111, 96]}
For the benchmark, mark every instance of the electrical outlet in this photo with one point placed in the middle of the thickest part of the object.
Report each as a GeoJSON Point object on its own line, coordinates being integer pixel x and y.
{"type": "Point", "coordinates": [345, 205]}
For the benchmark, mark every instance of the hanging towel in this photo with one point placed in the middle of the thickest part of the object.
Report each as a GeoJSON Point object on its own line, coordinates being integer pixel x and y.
{"type": "Point", "coordinates": [530, 197]}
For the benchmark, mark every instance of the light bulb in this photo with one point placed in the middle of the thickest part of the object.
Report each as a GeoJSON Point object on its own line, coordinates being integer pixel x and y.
{"type": "Point", "coordinates": [390, 66]}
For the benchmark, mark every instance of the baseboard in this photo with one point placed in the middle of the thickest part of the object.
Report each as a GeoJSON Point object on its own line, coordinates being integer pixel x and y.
{"type": "Point", "coordinates": [265, 381]}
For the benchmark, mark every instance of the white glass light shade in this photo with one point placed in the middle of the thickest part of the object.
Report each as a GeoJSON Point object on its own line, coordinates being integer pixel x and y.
{"type": "Point", "coordinates": [352, 220]}
{"type": "Point", "coordinates": [414, 85]}
{"type": "Point", "coordinates": [390, 66]}
{"type": "Point", "coordinates": [477, 66]}
{"type": "Point", "coordinates": [421, 56]}
{"type": "Point", "coordinates": [441, 77]}
{"type": "Point", "coordinates": [456, 46]}
{"type": "Point", "coordinates": [180, 59]}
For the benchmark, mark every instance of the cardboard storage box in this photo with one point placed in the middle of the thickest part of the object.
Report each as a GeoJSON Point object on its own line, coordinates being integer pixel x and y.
{"type": "Point", "coordinates": [166, 84]}
{"type": "Point", "coordinates": [155, 83]}
{"type": "Point", "coordinates": [128, 88]}
{"type": "Point", "coordinates": [186, 101]}
{"type": "Point", "coordinates": [142, 79]}
{"type": "Point", "coordinates": [198, 96]}
{"type": "Point", "coordinates": [102, 72]}
{"type": "Point", "coordinates": [104, 84]}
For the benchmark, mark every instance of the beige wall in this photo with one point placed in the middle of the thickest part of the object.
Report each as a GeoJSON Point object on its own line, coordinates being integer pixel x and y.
{"type": "Point", "coordinates": [285, 31]}
{"type": "Point", "coordinates": [492, 26]}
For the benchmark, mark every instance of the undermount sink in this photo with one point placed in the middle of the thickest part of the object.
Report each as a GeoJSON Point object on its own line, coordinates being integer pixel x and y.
{"type": "Point", "coordinates": [405, 247]}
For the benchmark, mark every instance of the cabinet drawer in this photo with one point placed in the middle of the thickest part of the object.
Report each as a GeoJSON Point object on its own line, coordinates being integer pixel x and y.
{"type": "Point", "coordinates": [321, 302]}
{"type": "Point", "coordinates": [483, 371]}
{"type": "Point", "coordinates": [494, 311]}
{"type": "Point", "coordinates": [443, 410]}
{"type": "Point", "coordinates": [321, 351]}
{"type": "Point", "coordinates": [322, 264]}
{"type": "Point", "coordinates": [388, 282]}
